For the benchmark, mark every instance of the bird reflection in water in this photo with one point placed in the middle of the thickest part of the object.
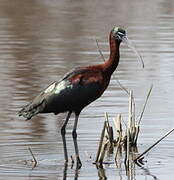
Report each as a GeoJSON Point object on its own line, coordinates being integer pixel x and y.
{"type": "Point", "coordinates": [76, 172]}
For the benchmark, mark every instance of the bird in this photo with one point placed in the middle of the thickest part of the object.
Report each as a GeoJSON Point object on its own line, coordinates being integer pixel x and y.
{"type": "Point", "coordinates": [77, 89]}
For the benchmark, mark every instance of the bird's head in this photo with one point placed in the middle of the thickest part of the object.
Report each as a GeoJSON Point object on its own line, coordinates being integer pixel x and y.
{"type": "Point", "coordinates": [118, 33]}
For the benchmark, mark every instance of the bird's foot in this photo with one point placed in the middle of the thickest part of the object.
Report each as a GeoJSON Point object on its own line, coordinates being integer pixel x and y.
{"type": "Point", "coordinates": [79, 164]}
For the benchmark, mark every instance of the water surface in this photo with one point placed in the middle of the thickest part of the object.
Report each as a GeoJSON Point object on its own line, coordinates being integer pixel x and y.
{"type": "Point", "coordinates": [40, 40]}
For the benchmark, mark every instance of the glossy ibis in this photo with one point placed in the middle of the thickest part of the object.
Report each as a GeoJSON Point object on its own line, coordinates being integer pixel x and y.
{"type": "Point", "coordinates": [77, 89]}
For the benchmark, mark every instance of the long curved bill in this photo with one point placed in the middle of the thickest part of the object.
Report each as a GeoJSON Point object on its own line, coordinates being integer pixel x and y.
{"type": "Point", "coordinates": [130, 45]}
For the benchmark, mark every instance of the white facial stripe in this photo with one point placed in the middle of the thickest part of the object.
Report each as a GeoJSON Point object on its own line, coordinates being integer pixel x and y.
{"type": "Point", "coordinates": [50, 88]}
{"type": "Point", "coordinates": [120, 33]}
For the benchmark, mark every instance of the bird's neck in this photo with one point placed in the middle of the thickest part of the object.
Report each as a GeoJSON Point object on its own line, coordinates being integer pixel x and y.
{"type": "Point", "coordinates": [111, 64]}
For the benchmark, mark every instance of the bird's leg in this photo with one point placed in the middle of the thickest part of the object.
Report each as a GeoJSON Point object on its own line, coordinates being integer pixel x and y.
{"type": "Point", "coordinates": [63, 132]}
{"type": "Point", "coordinates": [74, 135]}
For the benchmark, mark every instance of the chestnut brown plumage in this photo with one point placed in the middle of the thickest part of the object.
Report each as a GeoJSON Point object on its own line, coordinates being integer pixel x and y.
{"type": "Point", "coordinates": [76, 90]}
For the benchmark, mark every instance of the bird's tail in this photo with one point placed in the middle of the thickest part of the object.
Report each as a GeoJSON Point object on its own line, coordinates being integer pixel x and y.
{"type": "Point", "coordinates": [30, 110]}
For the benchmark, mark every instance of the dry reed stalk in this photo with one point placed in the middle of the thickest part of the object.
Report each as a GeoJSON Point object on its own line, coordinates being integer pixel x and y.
{"type": "Point", "coordinates": [148, 95]}
{"type": "Point", "coordinates": [147, 150]}
{"type": "Point", "coordinates": [130, 132]}
{"type": "Point", "coordinates": [110, 146]}
{"type": "Point", "coordinates": [137, 130]}
{"type": "Point", "coordinates": [131, 120]}
{"type": "Point", "coordinates": [101, 142]}
{"type": "Point", "coordinates": [118, 156]}
{"type": "Point", "coordinates": [34, 159]}
{"type": "Point", "coordinates": [118, 127]}
{"type": "Point", "coordinates": [127, 148]}
{"type": "Point", "coordinates": [137, 126]}
{"type": "Point", "coordinates": [130, 111]}
{"type": "Point", "coordinates": [103, 151]}
{"type": "Point", "coordinates": [109, 134]}
{"type": "Point", "coordinates": [107, 123]}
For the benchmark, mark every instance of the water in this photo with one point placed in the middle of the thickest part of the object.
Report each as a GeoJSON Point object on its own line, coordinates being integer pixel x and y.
{"type": "Point", "coordinates": [40, 40]}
